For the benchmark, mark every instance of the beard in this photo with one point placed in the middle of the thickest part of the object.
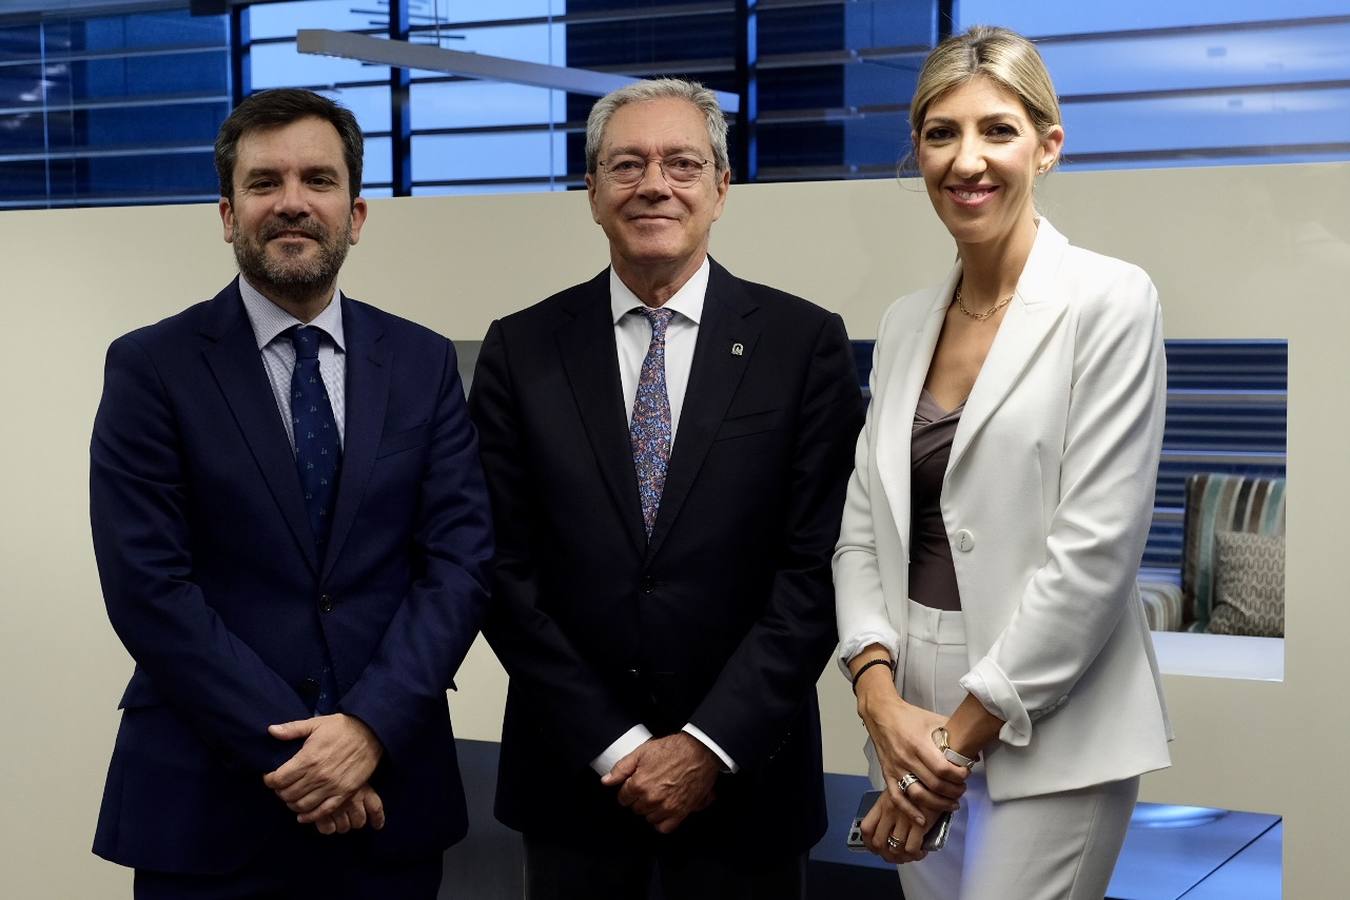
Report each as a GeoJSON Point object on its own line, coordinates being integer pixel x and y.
{"type": "Point", "coordinates": [288, 272]}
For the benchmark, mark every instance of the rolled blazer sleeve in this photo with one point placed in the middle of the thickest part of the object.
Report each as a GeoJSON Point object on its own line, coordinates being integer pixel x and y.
{"type": "Point", "coordinates": [860, 607]}
{"type": "Point", "coordinates": [1075, 599]}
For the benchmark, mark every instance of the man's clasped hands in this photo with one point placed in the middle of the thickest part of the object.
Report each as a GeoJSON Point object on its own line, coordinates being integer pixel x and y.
{"type": "Point", "coordinates": [327, 782]}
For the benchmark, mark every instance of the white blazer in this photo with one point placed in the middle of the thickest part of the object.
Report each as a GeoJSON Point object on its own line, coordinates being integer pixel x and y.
{"type": "Point", "coordinates": [1047, 501]}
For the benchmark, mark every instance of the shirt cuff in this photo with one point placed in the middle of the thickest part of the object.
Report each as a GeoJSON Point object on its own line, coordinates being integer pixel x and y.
{"type": "Point", "coordinates": [728, 764]}
{"type": "Point", "coordinates": [629, 741]}
{"type": "Point", "coordinates": [996, 693]}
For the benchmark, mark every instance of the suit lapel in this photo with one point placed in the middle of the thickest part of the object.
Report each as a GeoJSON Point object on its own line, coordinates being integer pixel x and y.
{"type": "Point", "coordinates": [367, 396]}
{"type": "Point", "coordinates": [591, 361]}
{"type": "Point", "coordinates": [238, 369]}
{"type": "Point", "coordinates": [714, 375]}
{"type": "Point", "coordinates": [911, 351]}
{"type": "Point", "coordinates": [1037, 305]}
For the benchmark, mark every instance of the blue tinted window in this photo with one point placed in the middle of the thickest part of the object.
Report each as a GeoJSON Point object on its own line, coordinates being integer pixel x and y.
{"type": "Point", "coordinates": [1162, 83]}
{"type": "Point", "coordinates": [137, 76]}
{"type": "Point", "coordinates": [378, 161]}
{"type": "Point", "coordinates": [369, 104]}
{"type": "Point", "coordinates": [1172, 125]}
{"type": "Point", "coordinates": [1150, 83]}
{"type": "Point", "coordinates": [271, 20]}
{"type": "Point", "coordinates": [111, 109]}
{"type": "Point", "coordinates": [1042, 17]}
{"type": "Point", "coordinates": [281, 65]}
{"type": "Point", "coordinates": [505, 9]}
{"type": "Point", "coordinates": [465, 104]}
{"type": "Point", "coordinates": [486, 156]}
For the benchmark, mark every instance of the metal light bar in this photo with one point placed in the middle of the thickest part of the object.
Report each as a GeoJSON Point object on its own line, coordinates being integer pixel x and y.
{"type": "Point", "coordinates": [344, 44]}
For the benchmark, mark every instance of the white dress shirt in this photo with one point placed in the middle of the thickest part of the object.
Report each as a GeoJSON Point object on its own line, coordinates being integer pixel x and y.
{"type": "Point", "coordinates": [632, 337]}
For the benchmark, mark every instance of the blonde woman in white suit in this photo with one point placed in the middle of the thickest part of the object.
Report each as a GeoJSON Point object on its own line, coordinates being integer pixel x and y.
{"type": "Point", "coordinates": [985, 573]}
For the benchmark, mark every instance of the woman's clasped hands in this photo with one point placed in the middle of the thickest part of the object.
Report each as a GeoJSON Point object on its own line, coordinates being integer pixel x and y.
{"type": "Point", "coordinates": [921, 784]}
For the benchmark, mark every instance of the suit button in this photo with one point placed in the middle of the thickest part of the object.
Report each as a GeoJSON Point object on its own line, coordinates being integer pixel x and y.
{"type": "Point", "coordinates": [309, 690]}
{"type": "Point", "coordinates": [326, 603]}
{"type": "Point", "coordinates": [648, 584]}
{"type": "Point", "coordinates": [965, 541]}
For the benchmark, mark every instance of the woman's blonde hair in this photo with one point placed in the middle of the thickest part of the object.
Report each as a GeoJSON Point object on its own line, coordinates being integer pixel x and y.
{"type": "Point", "coordinates": [1001, 55]}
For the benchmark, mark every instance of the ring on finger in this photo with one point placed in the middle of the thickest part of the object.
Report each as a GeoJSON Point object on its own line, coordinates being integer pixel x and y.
{"type": "Point", "coordinates": [904, 783]}
{"type": "Point", "coordinates": [893, 842]}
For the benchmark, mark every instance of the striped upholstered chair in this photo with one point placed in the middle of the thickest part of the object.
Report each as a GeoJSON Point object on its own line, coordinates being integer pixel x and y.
{"type": "Point", "coordinates": [1217, 503]}
{"type": "Point", "coordinates": [1163, 609]}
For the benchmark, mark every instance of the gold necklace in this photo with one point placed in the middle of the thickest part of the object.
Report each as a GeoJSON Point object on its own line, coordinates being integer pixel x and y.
{"type": "Point", "coordinates": [980, 317]}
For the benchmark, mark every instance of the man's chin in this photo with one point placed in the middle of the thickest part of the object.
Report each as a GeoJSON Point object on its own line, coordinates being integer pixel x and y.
{"type": "Point", "coordinates": [287, 279]}
{"type": "Point", "coordinates": [298, 281]}
{"type": "Point", "coordinates": [307, 268]}
{"type": "Point", "coordinates": [298, 269]}
{"type": "Point", "coordinates": [656, 253]}
{"type": "Point", "coordinates": [282, 253]}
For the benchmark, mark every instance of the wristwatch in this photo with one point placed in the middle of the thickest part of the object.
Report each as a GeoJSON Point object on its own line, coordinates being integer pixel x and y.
{"type": "Point", "coordinates": [943, 741]}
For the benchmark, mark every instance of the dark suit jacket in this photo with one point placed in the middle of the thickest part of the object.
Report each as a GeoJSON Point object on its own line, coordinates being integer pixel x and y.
{"type": "Point", "coordinates": [212, 582]}
{"type": "Point", "coordinates": [725, 618]}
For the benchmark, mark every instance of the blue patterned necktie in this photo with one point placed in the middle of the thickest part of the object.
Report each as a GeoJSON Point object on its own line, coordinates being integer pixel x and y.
{"type": "Point", "coordinates": [318, 451]}
{"type": "Point", "coordinates": [649, 432]}
{"type": "Point", "coordinates": [318, 456]}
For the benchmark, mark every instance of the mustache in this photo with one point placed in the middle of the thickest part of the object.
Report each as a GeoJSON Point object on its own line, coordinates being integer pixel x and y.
{"type": "Point", "coordinates": [308, 226]}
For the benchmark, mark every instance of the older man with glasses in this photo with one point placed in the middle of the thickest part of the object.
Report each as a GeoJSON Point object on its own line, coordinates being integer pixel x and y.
{"type": "Point", "coordinates": [666, 449]}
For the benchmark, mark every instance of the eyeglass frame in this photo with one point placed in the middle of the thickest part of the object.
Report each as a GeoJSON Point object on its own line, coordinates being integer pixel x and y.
{"type": "Point", "coordinates": [660, 164]}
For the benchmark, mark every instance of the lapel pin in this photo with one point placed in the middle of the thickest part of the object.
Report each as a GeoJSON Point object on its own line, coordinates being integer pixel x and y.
{"type": "Point", "coordinates": [738, 349]}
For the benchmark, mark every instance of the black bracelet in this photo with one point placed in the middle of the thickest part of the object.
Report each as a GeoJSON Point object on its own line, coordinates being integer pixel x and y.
{"type": "Point", "coordinates": [879, 661]}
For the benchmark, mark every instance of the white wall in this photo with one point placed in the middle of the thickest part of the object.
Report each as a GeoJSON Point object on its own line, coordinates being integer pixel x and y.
{"type": "Point", "coordinates": [1244, 252]}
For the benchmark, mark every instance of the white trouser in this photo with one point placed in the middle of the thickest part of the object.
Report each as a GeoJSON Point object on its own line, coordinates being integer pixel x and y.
{"type": "Point", "coordinates": [1053, 847]}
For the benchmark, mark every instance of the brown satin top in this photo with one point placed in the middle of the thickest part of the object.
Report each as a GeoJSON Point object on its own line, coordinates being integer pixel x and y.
{"type": "Point", "coordinates": [932, 577]}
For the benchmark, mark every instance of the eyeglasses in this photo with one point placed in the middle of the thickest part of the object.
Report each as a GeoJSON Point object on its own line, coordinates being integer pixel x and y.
{"type": "Point", "coordinates": [679, 171]}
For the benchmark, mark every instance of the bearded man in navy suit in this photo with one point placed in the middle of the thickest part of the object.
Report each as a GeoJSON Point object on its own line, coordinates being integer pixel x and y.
{"type": "Point", "coordinates": [667, 448]}
{"type": "Point", "coordinates": [292, 531]}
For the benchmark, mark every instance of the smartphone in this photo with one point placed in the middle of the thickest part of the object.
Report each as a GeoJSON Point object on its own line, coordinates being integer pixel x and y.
{"type": "Point", "coordinates": [935, 839]}
{"type": "Point", "coordinates": [855, 836]}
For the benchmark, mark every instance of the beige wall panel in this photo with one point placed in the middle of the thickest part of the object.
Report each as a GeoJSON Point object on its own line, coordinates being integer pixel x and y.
{"type": "Point", "coordinates": [1241, 252]}
{"type": "Point", "coordinates": [455, 264]}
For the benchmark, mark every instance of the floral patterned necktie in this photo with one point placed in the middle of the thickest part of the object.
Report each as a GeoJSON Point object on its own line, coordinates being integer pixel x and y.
{"type": "Point", "coordinates": [649, 431]}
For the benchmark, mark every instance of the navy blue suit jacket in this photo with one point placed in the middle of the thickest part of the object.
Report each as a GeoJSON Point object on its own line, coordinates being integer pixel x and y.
{"type": "Point", "coordinates": [212, 581]}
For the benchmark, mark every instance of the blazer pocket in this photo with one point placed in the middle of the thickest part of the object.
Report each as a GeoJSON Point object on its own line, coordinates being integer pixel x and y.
{"type": "Point", "coordinates": [752, 423]}
{"type": "Point", "coordinates": [404, 440]}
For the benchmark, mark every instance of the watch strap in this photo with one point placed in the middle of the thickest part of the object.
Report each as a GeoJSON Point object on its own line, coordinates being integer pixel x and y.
{"type": "Point", "coordinates": [957, 759]}
{"type": "Point", "coordinates": [943, 741]}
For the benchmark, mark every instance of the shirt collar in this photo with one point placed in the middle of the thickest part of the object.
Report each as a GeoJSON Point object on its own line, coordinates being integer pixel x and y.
{"type": "Point", "coordinates": [269, 320]}
{"type": "Point", "coordinates": [688, 300]}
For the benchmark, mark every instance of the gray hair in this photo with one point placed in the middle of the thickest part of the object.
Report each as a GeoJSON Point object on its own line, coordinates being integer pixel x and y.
{"type": "Point", "coordinates": [658, 89]}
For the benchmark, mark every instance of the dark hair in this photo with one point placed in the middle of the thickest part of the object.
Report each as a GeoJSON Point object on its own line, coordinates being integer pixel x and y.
{"type": "Point", "coordinates": [282, 106]}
